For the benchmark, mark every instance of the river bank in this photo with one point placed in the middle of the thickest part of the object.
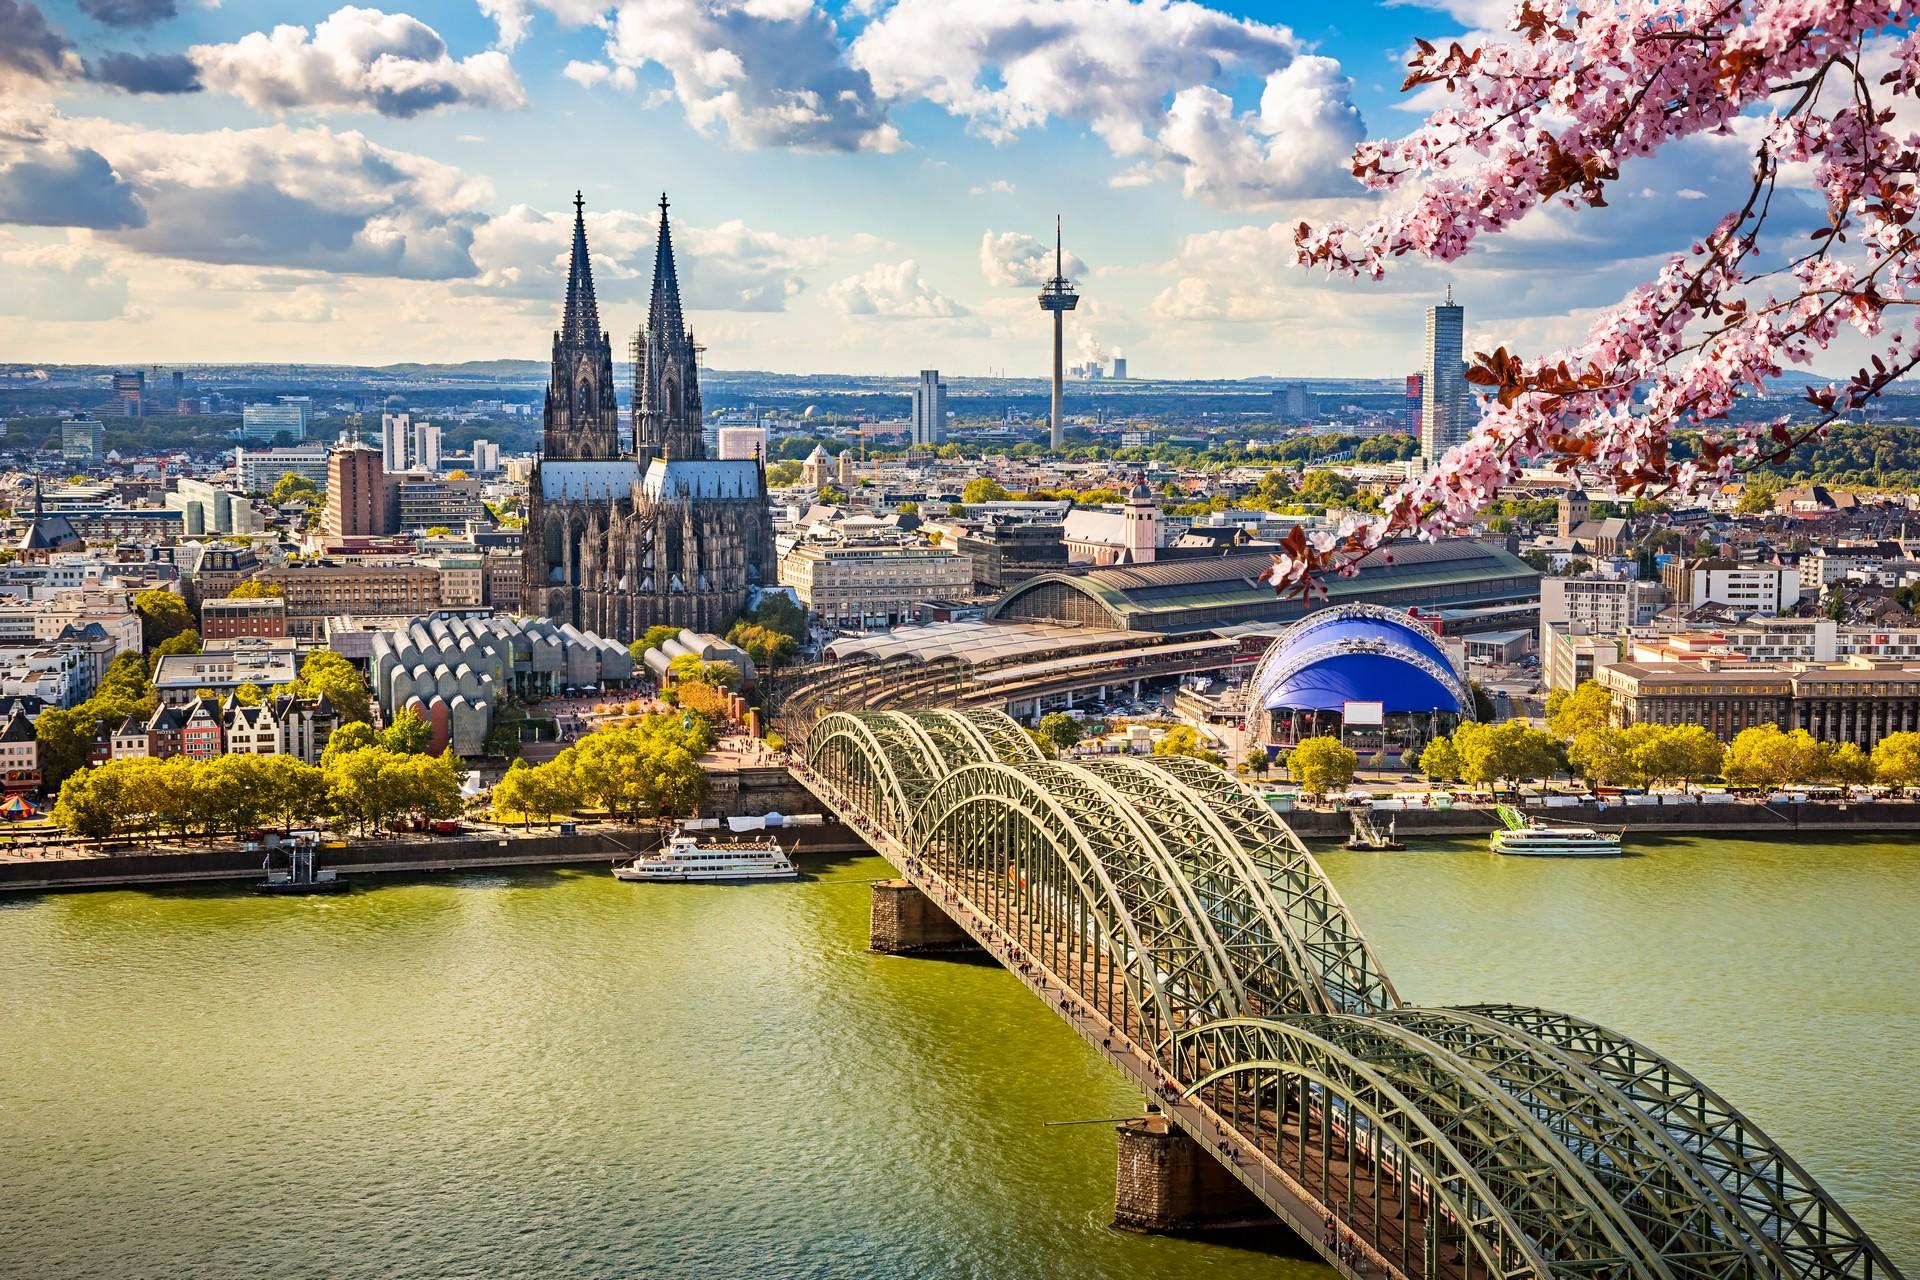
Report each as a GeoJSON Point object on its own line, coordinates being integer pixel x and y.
{"type": "Point", "coordinates": [1872, 817]}
{"type": "Point", "coordinates": [471, 851]}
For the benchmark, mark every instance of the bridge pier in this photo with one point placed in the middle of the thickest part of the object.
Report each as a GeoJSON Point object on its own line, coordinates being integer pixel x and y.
{"type": "Point", "coordinates": [904, 921]}
{"type": "Point", "coordinates": [1164, 1182]}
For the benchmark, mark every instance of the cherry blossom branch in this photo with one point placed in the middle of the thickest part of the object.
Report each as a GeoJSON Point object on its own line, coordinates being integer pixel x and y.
{"type": "Point", "coordinates": [1554, 115]}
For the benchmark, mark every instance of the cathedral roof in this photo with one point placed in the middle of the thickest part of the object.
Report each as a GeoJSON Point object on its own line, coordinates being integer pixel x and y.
{"type": "Point", "coordinates": [678, 478]}
{"type": "Point", "coordinates": [580, 324]}
{"type": "Point", "coordinates": [565, 480]}
{"type": "Point", "coordinates": [664, 320]}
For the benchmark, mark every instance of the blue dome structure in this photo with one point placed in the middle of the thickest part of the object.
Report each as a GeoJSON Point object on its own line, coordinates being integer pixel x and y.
{"type": "Point", "coordinates": [1356, 653]}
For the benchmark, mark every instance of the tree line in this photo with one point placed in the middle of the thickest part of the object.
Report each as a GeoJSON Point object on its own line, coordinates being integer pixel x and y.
{"type": "Point", "coordinates": [647, 769]}
{"type": "Point", "coordinates": [364, 781]}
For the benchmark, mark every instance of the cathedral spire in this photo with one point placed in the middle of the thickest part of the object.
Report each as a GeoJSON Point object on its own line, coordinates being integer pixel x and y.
{"type": "Point", "coordinates": [663, 315]}
{"type": "Point", "coordinates": [581, 323]}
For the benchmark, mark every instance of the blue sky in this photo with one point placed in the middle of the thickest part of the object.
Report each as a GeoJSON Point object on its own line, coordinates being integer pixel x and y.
{"type": "Point", "coordinates": [864, 187]}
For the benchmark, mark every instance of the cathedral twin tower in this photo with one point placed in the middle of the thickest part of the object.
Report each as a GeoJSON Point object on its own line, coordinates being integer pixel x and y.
{"type": "Point", "coordinates": [616, 543]}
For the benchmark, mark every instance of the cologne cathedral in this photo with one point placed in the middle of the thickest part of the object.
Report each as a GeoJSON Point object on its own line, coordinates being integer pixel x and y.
{"type": "Point", "coordinates": [616, 542]}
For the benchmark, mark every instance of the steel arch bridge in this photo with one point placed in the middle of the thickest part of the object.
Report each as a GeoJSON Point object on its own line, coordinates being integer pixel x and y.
{"type": "Point", "coordinates": [1165, 908]}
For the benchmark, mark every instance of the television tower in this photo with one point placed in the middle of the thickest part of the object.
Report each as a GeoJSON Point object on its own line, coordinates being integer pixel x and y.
{"type": "Point", "coordinates": [1057, 296]}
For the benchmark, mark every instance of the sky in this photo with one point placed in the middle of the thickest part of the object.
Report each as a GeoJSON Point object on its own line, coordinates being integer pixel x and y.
{"type": "Point", "coordinates": [856, 186]}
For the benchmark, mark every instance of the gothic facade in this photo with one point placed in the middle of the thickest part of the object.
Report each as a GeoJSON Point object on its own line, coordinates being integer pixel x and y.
{"type": "Point", "coordinates": [616, 543]}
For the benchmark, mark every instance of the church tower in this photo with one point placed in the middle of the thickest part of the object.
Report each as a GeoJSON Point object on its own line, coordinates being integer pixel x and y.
{"type": "Point", "coordinates": [582, 413]}
{"type": "Point", "coordinates": [666, 372]}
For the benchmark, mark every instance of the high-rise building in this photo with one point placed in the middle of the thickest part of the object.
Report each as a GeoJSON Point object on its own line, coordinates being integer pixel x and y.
{"type": "Point", "coordinates": [396, 442]}
{"type": "Point", "coordinates": [1296, 405]}
{"type": "Point", "coordinates": [1414, 383]}
{"type": "Point", "coordinates": [359, 499]}
{"type": "Point", "coordinates": [1057, 298]}
{"type": "Point", "coordinates": [130, 393]}
{"type": "Point", "coordinates": [264, 423]}
{"type": "Point", "coordinates": [261, 469]}
{"type": "Point", "coordinates": [426, 446]}
{"type": "Point", "coordinates": [82, 440]}
{"type": "Point", "coordinates": [486, 457]}
{"type": "Point", "coordinates": [929, 409]}
{"type": "Point", "coordinates": [1445, 405]}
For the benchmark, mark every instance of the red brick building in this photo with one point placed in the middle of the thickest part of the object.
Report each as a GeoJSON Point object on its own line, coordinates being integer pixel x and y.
{"type": "Point", "coordinates": [265, 617]}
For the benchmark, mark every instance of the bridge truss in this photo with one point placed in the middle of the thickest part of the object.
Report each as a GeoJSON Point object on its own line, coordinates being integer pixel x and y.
{"type": "Point", "coordinates": [1172, 905]}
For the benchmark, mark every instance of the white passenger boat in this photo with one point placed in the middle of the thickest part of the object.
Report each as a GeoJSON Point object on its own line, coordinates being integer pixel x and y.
{"type": "Point", "coordinates": [1525, 837]}
{"type": "Point", "coordinates": [685, 858]}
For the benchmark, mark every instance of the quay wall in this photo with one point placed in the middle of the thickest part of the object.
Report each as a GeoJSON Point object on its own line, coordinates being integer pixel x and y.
{"type": "Point", "coordinates": [444, 853]}
{"type": "Point", "coordinates": [1867, 818]}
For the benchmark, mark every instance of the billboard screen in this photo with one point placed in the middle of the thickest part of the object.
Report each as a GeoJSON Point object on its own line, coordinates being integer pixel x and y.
{"type": "Point", "coordinates": [1356, 714]}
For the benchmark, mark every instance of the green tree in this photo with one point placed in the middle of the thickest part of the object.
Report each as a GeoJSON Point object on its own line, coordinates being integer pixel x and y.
{"type": "Point", "coordinates": [362, 788]}
{"type": "Point", "coordinates": [296, 790]}
{"type": "Point", "coordinates": [1896, 760]}
{"type": "Point", "coordinates": [517, 794]}
{"type": "Point", "coordinates": [186, 642]}
{"type": "Point", "coordinates": [981, 489]}
{"type": "Point", "coordinates": [91, 803]}
{"type": "Point", "coordinates": [783, 473]}
{"type": "Point", "coordinates": [777, 611]}
{"type": "Point", "coordinates": [1440, 762]}
{"type": "Point", "coordinates": [1572, 712]}
{"type": "Point", "coordinates": [294, 488]}
{"type": "Point", "coordinates": [254, 589]}
{"type": "Point", "coordinates": [1491, 753]}
{"type": "Point", "coordinates": [1835, 606]}
{"type": "Point", "coordinates": [163, 615]}
{"type": "Point", "coordinates": [408, 735]}
{"type": "Point", "coordinates": [1256, 761]}
{"type": "Point", "coordinates": [326, 673]}
{"type": "Point", "coordinates": [1060, 729]}
{"type": "Point", "coordinates": [767, 647]}
{"type": "Point", "coordinates": [1184, 740]}
{"type": "Point", "coordinates": [1846, 765]}
{"type": "Point", "coordinates": [1757, 496]}
{"type": "Point", "coordinates": [1321, 765]}
{"type": "Point", "coordinates": [1763, 756]}
{"type": "Point", "coordinates": [908, 508]}
{"type": "Point", "coordinates": [1677, 753]}
{"type": "Point", "coordinates": [64, 737]}
{"type": "Point", "coordinates": [1604, 756]}
{"type": "Point", "coordinates": [348, 737]}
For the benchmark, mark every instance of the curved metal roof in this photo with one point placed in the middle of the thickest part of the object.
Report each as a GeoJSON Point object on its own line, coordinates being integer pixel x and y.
{"type": "Point", "coordinates": [1358, 653]}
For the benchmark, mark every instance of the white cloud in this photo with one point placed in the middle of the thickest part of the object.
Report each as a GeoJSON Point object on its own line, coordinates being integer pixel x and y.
{"type": "Point", "coordinates": [1015, 259]}
{"type": "Point", "coordinates": [61, 282]}
{"type": "Point", "coordinates": [764, 73]}
{"type": "Point", "coordinates": [515, 17]}
{"type": "Point", "coordinates": [307, 305]}
{"type": "Point", "coordinates": [589, 74]}
{"type": "Point", "coordinates": [281, 197]}
{"type": "Point", "coordinates": [1010, 65]}
{"type": "Point", "coordinates": [998, 187]}
{"type": "Point", "coordinates": [893, 291]}
{"type": "Point", "coordinates": [522, 253]}
{"type": "Point", "coordinates": [1297, 145]}
{"type": "Point", "coordinates": [357, 59]}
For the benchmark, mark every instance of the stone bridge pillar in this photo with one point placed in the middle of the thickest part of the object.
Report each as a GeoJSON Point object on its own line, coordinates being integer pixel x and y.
{"type": "Point", "coordinates": [906, 922]}
{"type": "Point", "coordinates": [1165, 1182]}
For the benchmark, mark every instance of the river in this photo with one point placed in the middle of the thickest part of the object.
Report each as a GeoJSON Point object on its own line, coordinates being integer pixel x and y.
{"type": "Point", "coordinates": [549, 1073]}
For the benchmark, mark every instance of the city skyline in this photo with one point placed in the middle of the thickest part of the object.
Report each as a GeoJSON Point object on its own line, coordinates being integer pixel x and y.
{"type": "Point", "coordinates": [866, 188]}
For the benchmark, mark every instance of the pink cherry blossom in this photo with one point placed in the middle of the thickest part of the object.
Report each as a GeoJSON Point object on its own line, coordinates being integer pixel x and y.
{"type": "Point", "coordinates": [1556, 113]}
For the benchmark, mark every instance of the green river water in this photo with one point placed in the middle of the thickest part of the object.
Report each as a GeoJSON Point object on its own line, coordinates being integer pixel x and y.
{"type": "Point", "coordinates": [553, 1074]}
